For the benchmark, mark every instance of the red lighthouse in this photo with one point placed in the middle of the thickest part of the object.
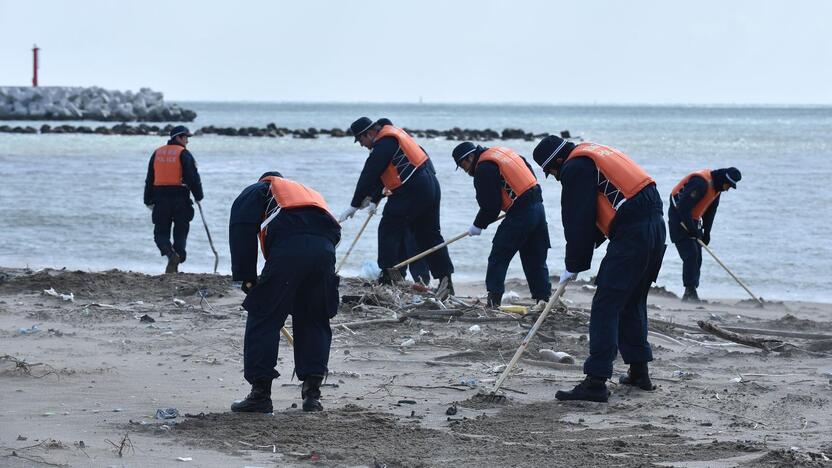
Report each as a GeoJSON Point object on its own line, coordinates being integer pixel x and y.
{"type": "Point", "coordinates": [35, 50]}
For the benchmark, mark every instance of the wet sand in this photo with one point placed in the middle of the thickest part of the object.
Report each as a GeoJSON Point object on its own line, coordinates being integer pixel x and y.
{"type": "Point", "coordinates": [92, 371]}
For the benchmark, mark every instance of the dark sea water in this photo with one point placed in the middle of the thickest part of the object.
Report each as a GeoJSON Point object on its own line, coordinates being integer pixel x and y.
{"type": "Point", "coordinates": [76, 200]}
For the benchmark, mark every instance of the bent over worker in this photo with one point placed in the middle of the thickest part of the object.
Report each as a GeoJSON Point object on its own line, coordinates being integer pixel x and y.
{"type": "Point", "coordinates": [399, 167]}
{"type": "Point", "coordinates": [171, 178]}
{"type": "Point", "coordinates": [504, 181]}
{"type": "Point", "coordinates": [297, 235]}
{"type": "Point", "coordinates": [605, 195]}
{"type": "Point", "coordinates": [693, 204]}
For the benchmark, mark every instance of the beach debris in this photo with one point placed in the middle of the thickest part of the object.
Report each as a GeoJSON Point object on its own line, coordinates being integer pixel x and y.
{"type": "Point", "coordinates": [184, 459]}
{"type": "Point", "coordinates": [123, 445]}
{"type": "Point", "coordinates": [179, 302]}
{"type": "Point", "coordinates": [407, 402]}
{"type": "Point", "coordinates": [146, 319]}
{"type": "Point", "coordinates": [766, 345]}
{"type": "Point", "coordinates": [408, 342]}
{"type": "Point", "coordinates": [556, 356]}
{"type": "Point", "coordinates": [66, 297]}
{"type": "Point", "coordinates": [452, 410]}
{"type": "Point", "coordinates": [29, 331]}
{"type": "Point", "coordinates": [510, 297]}
{"type": "Point", "coordinates": [475, 329]}
{"type": "Point", "coordinates": [167, 413]}
{"type": "Point", "coordinates": [497, 369]}
{"type": "Point", "coordinates": [370, 271]}
{"type": "Point", "coordinates": [515, 309]}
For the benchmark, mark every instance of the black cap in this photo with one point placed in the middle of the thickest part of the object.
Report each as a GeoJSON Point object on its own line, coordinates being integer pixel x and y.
{"type": "Point", "coordinates": [270, 174]}
{"type": "Point", "coordinates": [550, 150]}
{"type": "Point", "coordinates": [360, 126]}
{"type": "Point", "coordinates": [730, 176]}
{"type": "Point", "coordinates": [462, 151]}
{"type": "Point", "coordinates": [180, 130]}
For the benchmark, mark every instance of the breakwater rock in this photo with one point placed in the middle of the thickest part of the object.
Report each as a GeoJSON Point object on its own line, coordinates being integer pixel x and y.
{"type": "Point", "coordinates": [77, 103]}
{"type": "Point", "coordinates": [273, 131]}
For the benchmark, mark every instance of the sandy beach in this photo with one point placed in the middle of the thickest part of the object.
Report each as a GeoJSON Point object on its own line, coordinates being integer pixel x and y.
{"type": "Point", "coordinates": [83, 376]}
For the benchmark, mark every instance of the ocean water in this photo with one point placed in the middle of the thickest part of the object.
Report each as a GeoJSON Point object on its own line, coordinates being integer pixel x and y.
{"type": "Point", "coordinates": [75, 201]}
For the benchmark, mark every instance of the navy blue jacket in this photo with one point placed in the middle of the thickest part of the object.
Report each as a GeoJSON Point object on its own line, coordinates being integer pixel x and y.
{"type": "Point", "coordinates": [189, 175]}
{"type": "Point", "coordinates": [369, 182]}
{"type": "Point", "coordinates": [578, 211]}
{"type": "Point", "coordinates": [488, 184]}
{"type": "Point", "coordinates": [686, 199]}
{"type": "Point", "coordinates": [248, 211]}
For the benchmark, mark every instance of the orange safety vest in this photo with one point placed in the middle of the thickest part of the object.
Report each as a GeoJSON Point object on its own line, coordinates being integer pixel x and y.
{"type": "Point", "coordinates": [287, 194]}
{"type": "Point", "coordinates": [409, 157]}
{"type": "Point", "coordinates": [167, 166]}
{"type": "Point", "coordinates": [619, 179]}
{"type": "Point", "coordinates": [700, 208]}
{"type": "Point", "coordinates": [517, 178]}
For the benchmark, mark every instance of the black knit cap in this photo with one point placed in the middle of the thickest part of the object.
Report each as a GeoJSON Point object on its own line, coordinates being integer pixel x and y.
{"type": "Point", "coordinates": [549, 151]}
{"type": "Point", "coordinates": [270, 174]}
{"type": "Point", "coordinates": [729, 175]}
{"type": "Point", "coordinates": [360, 126]}
{"type": "Point", "coordinates": [462, 151]}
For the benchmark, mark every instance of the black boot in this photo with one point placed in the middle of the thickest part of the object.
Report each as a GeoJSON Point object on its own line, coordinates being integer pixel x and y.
{"type": "Point", "coordinates": [494, 300]}
{"type": "Point", "coordinates": [173, 262]}
{"type": "Point", "coordinates": [258, 401]}
{"type": "Point", "coordinates": [385, 278]}
{"type": "Point", "coordinates": [311, 393]}
{"type": "Point", "coordinates": [445, 289]}
{"type": "Point", "coordinates": [638, 376]}
{"type": "Point", "coordinates": [590, 389]}
{"type": "Point", "coordinates": [690, 295]}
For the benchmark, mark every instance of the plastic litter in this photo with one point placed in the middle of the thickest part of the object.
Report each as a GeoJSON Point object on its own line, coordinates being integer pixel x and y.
{"type": "Point", "coordinates": [557, 356]}
{"type": "Point", "coordinates": [510, 297]}
{"type": "Point", "coordinates": [370, 271]}
{"type": "Point", "coordinates": [408, 342]}
{"type": "Point", "coordinates": [498, 369]}
{"type": "Point", "coordinates": [469, 383]}
{"type": "Point", "coordinates": [179, 302]}
{"type": "Point", "coordinates": [474, 329]}
{"type": "Point", "coordinates": [67, 297]}
{"type": "Point", "coordinates": [184, 459]}
{"type": "Point", "coordinates": [167, 413]}
{"type": "Point", "coordinates": [146, 319]}
{"type": "Point", "coordinates": [515, 309]}
{"type": "Point", "coordinates": [29, 331]}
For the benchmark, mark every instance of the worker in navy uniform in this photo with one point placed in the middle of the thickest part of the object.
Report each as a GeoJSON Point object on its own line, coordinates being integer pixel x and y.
{"type": "Point", "coordinates": [605, 195]}
{"type": "Point", "coordinates": [297, 235]}
{"type": "Point", "coordinates": [693, 204]}
{"type": "Point", "coordinates": [504, 181]}
{"type": "Point", "coordinates": [400, 169]}
{"type": "Point", "coordinates": [171, 178]}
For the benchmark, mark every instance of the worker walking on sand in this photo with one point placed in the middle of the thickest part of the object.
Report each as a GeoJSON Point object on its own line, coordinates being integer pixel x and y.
{"type": "Point", "coordinates": [398, 167]}
{"type": "Point", "coordinates": [606, 195]}
{"type": "Point", "coordinates": [504, 181]}
{"type": "Point", "coordinates": [171, 178]}
{"type": "Point", "coordinates": [693, 204]}
{"type": "Point", "coordinates": [297, 235]}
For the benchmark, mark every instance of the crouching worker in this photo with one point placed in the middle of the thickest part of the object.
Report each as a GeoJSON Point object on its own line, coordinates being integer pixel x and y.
{"type": "Point", "coordinates": [297, 235]}
{"type": "Point", "coordinates": [606, 195]}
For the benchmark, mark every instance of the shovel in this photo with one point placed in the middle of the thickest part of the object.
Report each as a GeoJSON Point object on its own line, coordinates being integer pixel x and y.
{"type": "Point", "coordinates": [395, 275]}
{"type": "Point", "coordinates": [493, 396]}
{"type": "Point", "coordinates": [704, 246]}
{"type": "Point", "coordinates": [210, 241]}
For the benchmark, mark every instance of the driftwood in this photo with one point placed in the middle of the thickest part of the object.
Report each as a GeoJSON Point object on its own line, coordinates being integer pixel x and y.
{"type": "Point", "coordinates": [416, 314]}
{"type": "Point", "coordinates": [783, 333]}
{"type": "Point", "coordinates": [759, 343]}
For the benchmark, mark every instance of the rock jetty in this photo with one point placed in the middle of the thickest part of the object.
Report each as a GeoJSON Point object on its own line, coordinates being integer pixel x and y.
{"type": "Point", "coordinates": [77, 103]}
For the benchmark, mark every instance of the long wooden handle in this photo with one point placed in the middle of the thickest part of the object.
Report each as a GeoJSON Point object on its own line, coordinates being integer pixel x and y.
{"type": "Point", "coordinates": [355, 241]}
{"type": "Point", "coordinates": [288, 336]}
{"type": "Point", "coordinates": [529, 336]}
{"type": "Point", "coordinates": [437, 247]}
{"type": "Point", "coordinates": [210, 241]}
{"type": "Point", "coordinates": [730, 272]}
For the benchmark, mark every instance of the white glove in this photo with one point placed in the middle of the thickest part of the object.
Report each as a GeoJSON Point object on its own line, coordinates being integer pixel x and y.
{"type": "Point", "coordinates": [567, 276]}
{"type": "Point", "coordinates": [474, 231]}
{"type": "Point", "coordinates": [150, 207]}
{"type": "Point", "coordinates": [371, 208]}
{"type": "Point", "coordinates": [347, 214]}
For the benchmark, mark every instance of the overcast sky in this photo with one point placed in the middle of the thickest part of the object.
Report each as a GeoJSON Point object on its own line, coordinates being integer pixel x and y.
{"type": "Point", "coordinates": [479, 51]}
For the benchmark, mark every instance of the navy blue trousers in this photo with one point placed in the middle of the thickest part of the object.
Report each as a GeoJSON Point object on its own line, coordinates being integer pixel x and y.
{"type": "Point", "coordinates": [419, 269]}
{"type": "Point", "coordinates": [691, 254]}
{"type": "Point", "coordinates": [618, 320]}
{"type": "Point", "coordinates": [415, 210]}
{"type": "Point", "coordinates": [523, 230]}
{"type": "Point", "coordinates": [299, 280]}
{"type": "Point", "coordinates": [175, 212]}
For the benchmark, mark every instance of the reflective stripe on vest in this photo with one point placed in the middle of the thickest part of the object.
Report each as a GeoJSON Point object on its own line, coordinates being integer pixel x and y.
{"type": "Point", "coordinates": [517, 178]}
{"type": "Point", "coordinates": [409, 157]}
{"type": "Point", "coordinates": [287, 194]}
{"type": "Point", "coordinates": [167, 166]}
{"type": "Point", "coordinates": [619, 179]}
{"type": "Point", "coordinates": [710, 195]}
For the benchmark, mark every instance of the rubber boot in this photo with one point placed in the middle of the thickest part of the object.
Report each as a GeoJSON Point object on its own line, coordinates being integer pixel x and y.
{"type": "Point", "coordinates": [690, 295]}
{"type": "Point", "coordinates": [258, 401]}
{"type": "Point", "coordinates": [494, 300]}
{"type": "Point", "coordinates": [638, 376]}
{"type": "Point", "coordinates": [311, 393]}
{"type": "Point", "coordinates": [445, 289]}
{"type": "Point", "coordinates": [173, 262]}
{"type": "Point", "coordinates": [592, 388]}
{"type": "Point", "coordinates": [385, 278]}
